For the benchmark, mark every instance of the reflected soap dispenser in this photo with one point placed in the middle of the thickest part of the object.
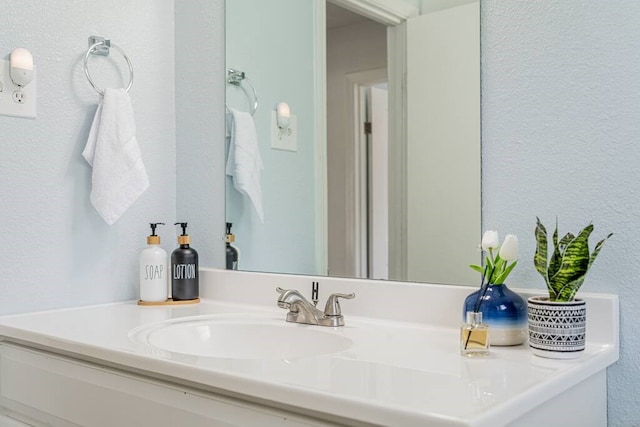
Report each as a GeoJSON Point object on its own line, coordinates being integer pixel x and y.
{"type": "Point", "coordinates": [153, 269]}
{"type": "Point", "coordinates": [184, 268]}
{"type": "Point", "coordinates": [233, 254]}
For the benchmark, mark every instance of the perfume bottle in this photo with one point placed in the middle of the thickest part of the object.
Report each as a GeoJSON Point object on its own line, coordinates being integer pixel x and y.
{"type": "Point", "coordinates": [474, 336]}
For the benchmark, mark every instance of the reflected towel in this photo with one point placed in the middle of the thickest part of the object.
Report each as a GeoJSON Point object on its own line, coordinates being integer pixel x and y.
{"type": "Point", "coordinates": [119, 176]}
{"type": "Point", "coordinates": [244, 163]}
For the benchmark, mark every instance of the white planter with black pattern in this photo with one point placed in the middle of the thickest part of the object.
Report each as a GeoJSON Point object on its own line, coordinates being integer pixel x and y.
{"type": "Point", "coordinates": [557, 329]}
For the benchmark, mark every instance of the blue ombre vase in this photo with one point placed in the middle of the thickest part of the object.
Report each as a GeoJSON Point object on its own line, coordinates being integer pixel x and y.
{"type": "Point", "coordinates": [504, 311]}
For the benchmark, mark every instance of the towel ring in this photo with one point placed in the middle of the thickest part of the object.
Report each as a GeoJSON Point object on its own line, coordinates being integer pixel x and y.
{"type": "Point", "coordinates": [101, 46]}
{"type": "Point", "coordinates": [235, 77]}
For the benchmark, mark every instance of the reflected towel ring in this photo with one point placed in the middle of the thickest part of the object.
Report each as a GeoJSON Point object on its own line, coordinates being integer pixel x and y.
{"type": "Point", "coordinates": [235, 77]}
{"type": "Point", "coordinates": [101, 46]}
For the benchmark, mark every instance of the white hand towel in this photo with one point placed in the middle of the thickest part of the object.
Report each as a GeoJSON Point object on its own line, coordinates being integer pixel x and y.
{"type": "Point", "coordinates": [244, 163]}
{"type": "Point", "coordinates": [119, 176]}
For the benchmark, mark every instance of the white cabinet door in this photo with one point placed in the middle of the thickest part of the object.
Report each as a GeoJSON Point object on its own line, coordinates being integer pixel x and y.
{"type": "Point", "coordinates": [61, 391]}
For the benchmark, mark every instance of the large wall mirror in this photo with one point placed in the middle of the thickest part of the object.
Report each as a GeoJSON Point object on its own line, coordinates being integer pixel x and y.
{"type": "Point", "coordinates": [375, 171]}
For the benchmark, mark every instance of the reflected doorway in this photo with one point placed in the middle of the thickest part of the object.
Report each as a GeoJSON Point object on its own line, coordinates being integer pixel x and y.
{"type": "Point", "coordinates": [357, 161]}
{"type": "Point", "coordinates": [374, 143]}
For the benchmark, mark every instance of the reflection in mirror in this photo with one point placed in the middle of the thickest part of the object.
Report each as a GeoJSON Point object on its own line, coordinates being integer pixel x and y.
{"type": "Point", "coordinates": [274, 44]}
{"type": "Point", "coordinates": [378, 173]}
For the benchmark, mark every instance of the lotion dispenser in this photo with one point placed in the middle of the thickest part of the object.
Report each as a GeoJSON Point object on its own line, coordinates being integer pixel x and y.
{"type": "Point", "coordinates": [233, 254]}
{"type": "Point", "coordinates": [153, 269]}
{"type": "Point", "coordinates": [184, 268]}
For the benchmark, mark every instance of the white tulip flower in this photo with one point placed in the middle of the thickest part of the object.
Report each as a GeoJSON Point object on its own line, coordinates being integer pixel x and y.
{"type": "Point", "coordinates": [497, 268]}
{"type": "Point", "coordinates": [490, 240]}
{"type": "Point", "coordinates": [509, 248]}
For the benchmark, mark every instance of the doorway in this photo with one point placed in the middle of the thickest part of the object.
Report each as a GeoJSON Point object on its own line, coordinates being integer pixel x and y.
{"type": "Point", "coordinates": [356, 159]}
{"type": "Point", "coordinates": [375, 149]}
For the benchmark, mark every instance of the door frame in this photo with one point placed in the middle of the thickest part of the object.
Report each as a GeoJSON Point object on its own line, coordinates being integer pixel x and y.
{"type": "Point", "coordinates": [320, 130]}
{"type": "Point", "coordinates": [393, 14]}
{"type": "Point", "coordinates": [357, 206]}
{"type": "Point", "coordinates": [387, 12]}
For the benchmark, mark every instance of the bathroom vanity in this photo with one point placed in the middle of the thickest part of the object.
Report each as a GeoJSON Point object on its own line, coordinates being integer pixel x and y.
{"type": "Point", "coordinates": [234, 360]}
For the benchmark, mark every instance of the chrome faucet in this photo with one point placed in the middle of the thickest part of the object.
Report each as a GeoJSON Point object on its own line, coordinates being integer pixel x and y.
{"type": "Point", "coordinates": [303, 311]}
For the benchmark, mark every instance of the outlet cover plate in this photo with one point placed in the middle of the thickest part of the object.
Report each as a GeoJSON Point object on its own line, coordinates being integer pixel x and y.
{"type": "Point", "coordinates": [284, 140]}
{"type": "Point", "coordinates": [9, 107]}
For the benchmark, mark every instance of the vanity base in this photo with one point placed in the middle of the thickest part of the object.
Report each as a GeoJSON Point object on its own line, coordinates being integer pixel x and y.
{"type": "Point", "coordinates": [569, 408]}
{"type": "Point", "coordinates": [100, 396]}
{"type": "Point", "coordinates": [31, 380]}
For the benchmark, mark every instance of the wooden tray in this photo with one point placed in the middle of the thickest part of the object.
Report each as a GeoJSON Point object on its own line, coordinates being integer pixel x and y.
{"type": "Point", "coordinates": [169, 302]}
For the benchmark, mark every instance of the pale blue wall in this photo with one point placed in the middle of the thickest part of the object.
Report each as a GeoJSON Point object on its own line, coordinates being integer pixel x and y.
{"type": "Point", "coordinates": [200, 125]}
{"type": "Point", "coordinates": [272, 42]}
{"type": "Point", "coordinates": [561, 137]}
{"type": "Point", "coordinates": [56, 250]}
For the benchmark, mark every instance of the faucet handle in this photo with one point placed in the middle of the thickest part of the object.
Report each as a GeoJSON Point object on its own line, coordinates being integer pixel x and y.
{"type": "Point", "coordinates": [333, 306]}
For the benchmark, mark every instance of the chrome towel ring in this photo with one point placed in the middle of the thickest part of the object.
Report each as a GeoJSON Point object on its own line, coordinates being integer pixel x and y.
{"type": "Point", "coordinates": [101, 46]}
{"type": "Point", "coordinates": [235, 77]}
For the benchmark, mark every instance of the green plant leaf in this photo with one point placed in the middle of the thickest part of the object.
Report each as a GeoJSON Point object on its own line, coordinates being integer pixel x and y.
{"type": "Point", "coordinates": [574, 264]}
{"type": "Point", "coordinates": [568, 292]}
{"type": "Point", "coordinates": [498, 266]}
{"type": "Point", "coordinates": [540, 257]}
{"type": "Point", "coordinates": [477, 268]}
{"type": "Point", "coordinates": [565, 241]}
{"type": "Point", "coordinates": [596, 250]}
{"type": "Point", "coordinates": [559, 248]}
{"type": "Point", "coordinates": [503, 276]}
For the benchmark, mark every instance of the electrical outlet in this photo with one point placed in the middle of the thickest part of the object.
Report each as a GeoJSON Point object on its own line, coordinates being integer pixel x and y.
{"type": "Point", "coordinates": [284, 139]}
{"type": "Point", "coordinates": [19, 96]}
{"type": "Point", "coordinates": [16, 101]}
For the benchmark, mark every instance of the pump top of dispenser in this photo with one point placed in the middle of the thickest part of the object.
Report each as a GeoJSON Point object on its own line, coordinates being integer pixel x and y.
{"type": "Point", "coordinates": [230, 237]}
{"type": "Point", "coordinates": [184, 238]}
{"type": "Point", "coordinates": [154, 239]}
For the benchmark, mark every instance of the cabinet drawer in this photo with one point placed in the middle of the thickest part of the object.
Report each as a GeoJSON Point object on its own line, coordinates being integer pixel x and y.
{"type": "Point", "coordinates": [62, 391]}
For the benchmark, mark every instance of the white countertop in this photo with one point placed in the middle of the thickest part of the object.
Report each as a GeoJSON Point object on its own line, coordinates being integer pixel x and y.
{"type": "Point", "coordinates": [395, 373]}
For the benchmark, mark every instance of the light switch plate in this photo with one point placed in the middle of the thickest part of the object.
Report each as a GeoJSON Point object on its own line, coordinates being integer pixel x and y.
{"type": "Point", "coordinates": [9, 90]}
{"type": "Point", "coordinates": [284, 139]}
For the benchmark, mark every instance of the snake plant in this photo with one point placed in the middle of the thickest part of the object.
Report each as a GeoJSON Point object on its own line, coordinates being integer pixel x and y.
{"type": "Point", "coordinates": [567, 268]}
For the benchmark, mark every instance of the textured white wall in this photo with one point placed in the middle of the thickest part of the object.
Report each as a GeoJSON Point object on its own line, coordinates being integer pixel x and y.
{"type": "Point", "coordinates": [560, 105]}
{"type": "Point", "coordinates": [57, 251]}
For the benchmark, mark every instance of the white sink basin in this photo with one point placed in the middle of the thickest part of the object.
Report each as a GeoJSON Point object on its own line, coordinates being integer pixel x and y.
{"type": "Point", "coordinates": [240, 337]}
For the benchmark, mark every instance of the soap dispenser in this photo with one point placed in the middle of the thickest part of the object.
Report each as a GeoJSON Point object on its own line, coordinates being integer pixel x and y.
{"type": "Point", "coordinates": [232, 252]}
{"type": "Point", "coordinates": [184, 268]}
{"type": "Point", "coordinates": [153, 269]}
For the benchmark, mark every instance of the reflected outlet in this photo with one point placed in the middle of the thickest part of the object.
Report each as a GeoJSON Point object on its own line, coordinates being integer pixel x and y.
{"type": "Point", "coordinates": [284, 139]}
{"type": "Point", "coordinates": [16, 101]}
